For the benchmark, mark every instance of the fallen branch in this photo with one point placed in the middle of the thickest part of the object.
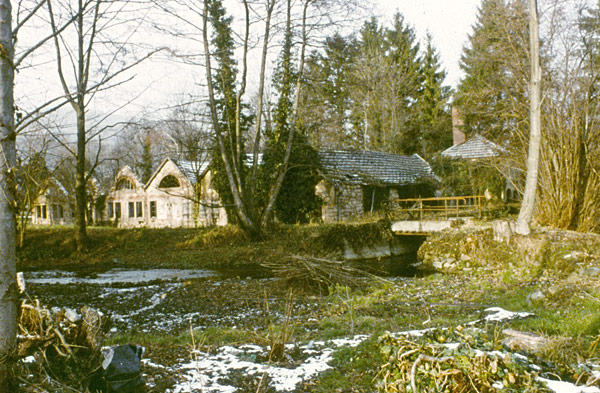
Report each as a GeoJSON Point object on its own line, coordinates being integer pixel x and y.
{"type": "Point", "coordinates": [420, 358]}
{"type": "Point", "coordinates": [318, 271]}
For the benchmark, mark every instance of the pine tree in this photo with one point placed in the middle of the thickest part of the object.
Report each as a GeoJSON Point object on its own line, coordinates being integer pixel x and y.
{"type": "Point", "coordinates": [386, 85]}
{"type": "Point", "coordinates": [434, 120]}
{"type": "Point", "coordinates": [492, 96]}
{"type": "Point", "coordinates": [145, 165]}
{"type": "Point", "coordinates": [326, 101]}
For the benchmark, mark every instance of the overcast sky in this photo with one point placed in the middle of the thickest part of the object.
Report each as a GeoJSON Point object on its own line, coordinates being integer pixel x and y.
{"type": "Point", "coordinates": [158, 82]}
{"type": "Point", "coordinates": [448, 21]}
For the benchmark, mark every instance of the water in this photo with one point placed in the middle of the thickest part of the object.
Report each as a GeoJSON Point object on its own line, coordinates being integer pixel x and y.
{"type": "Point", "coordinates": [125, 276]}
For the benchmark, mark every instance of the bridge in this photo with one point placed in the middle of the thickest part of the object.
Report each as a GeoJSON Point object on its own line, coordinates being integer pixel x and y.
{"type": "Point", "coordinates": [422, 216]}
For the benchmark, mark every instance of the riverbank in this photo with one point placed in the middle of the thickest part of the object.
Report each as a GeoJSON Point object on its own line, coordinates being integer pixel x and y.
{"type": "Point", "coordinates": [187, 326]}
{"type": "Point", "coordinates": [224, 249]}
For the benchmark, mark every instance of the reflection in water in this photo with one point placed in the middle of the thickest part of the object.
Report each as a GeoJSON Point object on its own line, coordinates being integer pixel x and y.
{"type": "Point", "coordinates": [116, 276]}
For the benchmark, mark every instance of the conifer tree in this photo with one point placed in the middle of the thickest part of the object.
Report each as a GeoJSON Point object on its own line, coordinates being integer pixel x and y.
{"type": "Point", "coordinates": [492, 96]}
{"type": "Point", "coordinates": [326, 103]}
{"type": "Point", "coordinates": [434, 120]}
{"type": "Point", "coordinates": [386, 85]}
{"type": "Point", "coordinates": [224, 77]}
{"type": "Point", "coordinates": [296, 201]}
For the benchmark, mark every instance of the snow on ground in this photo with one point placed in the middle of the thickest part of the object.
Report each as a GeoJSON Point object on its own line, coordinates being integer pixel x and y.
{"type": "Point", "coordinates": [209, 372]}
{"type": "Point", "coordinates": [567, 387]}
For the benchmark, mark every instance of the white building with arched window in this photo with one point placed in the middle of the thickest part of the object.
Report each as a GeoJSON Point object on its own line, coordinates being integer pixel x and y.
{"type": "Point", "coordinates": [179, 194]}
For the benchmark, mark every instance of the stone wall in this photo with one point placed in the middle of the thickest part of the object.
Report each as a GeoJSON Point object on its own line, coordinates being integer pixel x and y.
{"type": "Point", "coordinates": [49, 210]}
{"type": "Point", "coordinates": [340, 201]}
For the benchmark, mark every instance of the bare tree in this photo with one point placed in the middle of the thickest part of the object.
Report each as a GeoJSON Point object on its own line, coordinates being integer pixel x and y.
{"type": "Point", "coordinates": [535, 137]}
{"type": "Point", "coordinates": [8, 289]}
{"type": "Point", "coordinates": [94, 49]}
{"type": "Point", "coordinates": [32, 177]}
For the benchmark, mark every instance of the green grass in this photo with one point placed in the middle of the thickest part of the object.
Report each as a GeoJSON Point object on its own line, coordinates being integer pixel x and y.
{"type": "Point", "coordinates": [496, 274]}
{"type": "Point", "coordinates": [354, 370]}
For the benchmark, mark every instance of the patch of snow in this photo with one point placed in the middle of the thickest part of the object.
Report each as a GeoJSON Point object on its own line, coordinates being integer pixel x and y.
{"type": "Point", "coordinates": [413, 333]}
{"type": "Point", "coordinates": [452, 346]}
{"type": "Point", "coordinates": [498, 314]}
{"type": "Point", "coordinates": [149, 363]}
{"type": "Point", "coordinates": [351, 342]}
{"type": "Point", "coordinates": [521, 357]}
{"type": "Point", "coordinates": [207, 371]}
{"type": "Point", "coordinates": [567, 387]}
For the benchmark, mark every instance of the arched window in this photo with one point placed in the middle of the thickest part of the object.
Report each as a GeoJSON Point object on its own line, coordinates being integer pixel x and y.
{"type": "Point", "coordinates": [169, 181]}
{"type": "Point", "coordinates": [124, 184]}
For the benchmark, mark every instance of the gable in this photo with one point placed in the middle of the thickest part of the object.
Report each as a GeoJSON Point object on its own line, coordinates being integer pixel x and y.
{"type": "Point", "coordinates": [473, 148]}
{"type": "Point", "coordinates": [167, 169]}
{"type": "Point", "coordinates": [124, 176]}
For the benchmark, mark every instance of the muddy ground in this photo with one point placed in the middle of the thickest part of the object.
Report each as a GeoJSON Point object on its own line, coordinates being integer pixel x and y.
{"type": "Point", "coordinates": [170, 308]}
{"type": "Point", "coordinates": [237, 321]}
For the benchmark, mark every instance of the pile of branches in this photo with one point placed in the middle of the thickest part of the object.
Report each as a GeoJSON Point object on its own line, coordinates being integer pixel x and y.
{"type": "Point", "coordinates": [426, 364]}
{"type": "Point", "coordinates": [60, 349]}
{"type": "Point", "coordinates": [308, 271]}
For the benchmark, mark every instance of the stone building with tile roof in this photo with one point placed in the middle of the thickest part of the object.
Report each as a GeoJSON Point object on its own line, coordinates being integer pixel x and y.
{"type": "Point", "coordinates": [359, 182]}
{"type": "Point", "coordinates": [53, 206]}
{"type": "Point", "coordinates": [178, 194]}
{"type": "Point", "coordinates": [481, 151]}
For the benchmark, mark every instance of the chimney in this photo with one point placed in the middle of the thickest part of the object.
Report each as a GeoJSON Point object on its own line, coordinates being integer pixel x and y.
{"type": "Point", "coordinates": [458, 136]}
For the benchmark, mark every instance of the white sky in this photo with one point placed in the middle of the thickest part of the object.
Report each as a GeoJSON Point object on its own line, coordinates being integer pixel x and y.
{"type": "Point", "coordinates": [158, 83]}
{"type": "Point", "coordinates": [448, 21]}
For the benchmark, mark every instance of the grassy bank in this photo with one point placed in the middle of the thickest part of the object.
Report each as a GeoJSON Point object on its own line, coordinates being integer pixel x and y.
{"type": "Point", "coordinates": [220, 248]}
{"type": "Point", "coordinates": [551, 274]}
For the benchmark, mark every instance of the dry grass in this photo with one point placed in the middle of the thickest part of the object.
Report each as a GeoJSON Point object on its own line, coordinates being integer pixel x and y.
{"type": "Point", "coordinates": [66, 349]}
{"type": "Point", "coordinates": [306, 271]}
{"type": "Point", "coordinates": [422, 365]}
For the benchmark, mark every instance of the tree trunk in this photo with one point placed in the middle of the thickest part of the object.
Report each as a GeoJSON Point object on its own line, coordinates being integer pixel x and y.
{"type": "Point", "coordinates": [246, 221]}
{"type": "Point", "coordinates": [533, 158]}
{"type": "Point", "coordinates": [268, 213]}
{"type": "Point", "coordinates": [8, 288]}
{"type": "Point", "coordinates": [80, 183]}
{"type": "Point", "coordinates": [259, 99]}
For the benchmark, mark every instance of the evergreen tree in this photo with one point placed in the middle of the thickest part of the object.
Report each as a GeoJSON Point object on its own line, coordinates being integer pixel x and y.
{"type": "Point", "coordinates": [492, 96]}
{"type": "Point", "coordinates": [225, 96]}
{"type": "Point", "coordinates": [296, 201]}
{"type": "Point", "coordinates": [378, 92]}
{"type": "Point", "coordinates": [386, 85]}
{"type": "Point", "coordinates": [434, 120]}
{"type": "Point", "coordinates": [326, 101]}
{"type": "Point", "coordinates": [146, 167]}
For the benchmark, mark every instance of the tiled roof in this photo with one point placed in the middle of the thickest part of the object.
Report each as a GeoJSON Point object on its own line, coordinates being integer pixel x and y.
{"type": "Point", "coordinates": [370, 168]}
{"type": "Point", "coordinates": [476, 147]}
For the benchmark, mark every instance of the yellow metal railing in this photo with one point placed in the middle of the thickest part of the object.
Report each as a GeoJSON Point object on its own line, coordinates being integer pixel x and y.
{"type": "Point", "coordinates": [436, 208]}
